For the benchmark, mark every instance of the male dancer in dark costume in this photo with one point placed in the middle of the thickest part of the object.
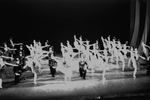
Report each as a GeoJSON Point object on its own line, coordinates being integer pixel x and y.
{"type": "Point", "coordinates": [22, 56]}
{"type": "Point", "coordinates": [52, 62]}
{"type": "Point", "coordinates": [83, 67]}
{"type": "Point", "coordinates": [148, 66]}
{"type": "Point", "coordinates": [17, 71]}
{"type": "Point", "coordinates": [20, 60]}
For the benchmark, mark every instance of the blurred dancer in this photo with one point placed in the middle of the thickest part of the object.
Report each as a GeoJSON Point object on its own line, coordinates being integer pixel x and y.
{"type": "Point", "coordinates": [31, 64]}
{"type": "Point", "coordinates": [52, 62]}
{"type": "Point", "coordinates": [133, 59]}
{"type": "Point", "coordinates": [146, 52]}
{"type": "Point", "coordinates": [148, 66]}
{"type": "Point", "coordinates": [17, 71]}
{"type": "Point", "coordinates": [83, 67]}
{"type": "Point", "coordinates": [34, 59]}
{"type": "Point", "coordinates": [1, 71]}
{"type": "Point", "coordinates": [3, 64]}
{"type": "Point", "coordinates": [20, 61]}
{"type": "Point", "coordinates": [22, 56]}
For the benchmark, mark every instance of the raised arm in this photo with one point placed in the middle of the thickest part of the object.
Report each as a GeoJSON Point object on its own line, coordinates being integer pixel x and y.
{"type": "Point", "coordinates": [11, 42]}
{"type": "Point", "coordinates": [28, 47]}
{"type": "Point", "coordinates": [143, 44]}
{"type": "Point", "coordinates": [142, 57]}
{"type": "Point", "coordinates": [18, 43]}
{"type": "Point", "coordinates": [147, 46]}
{"type": "Point", "coordinates": [10, 64]}
{"type": "Point", "coordinates": [7, 57]}
{"type": "Point", "coordinates": [2, 47]}
{"type": "Point", "coordinates": [144, 49]}
{"type": "Point", "coordinates": [11, 49]}
{"type": "Point", "coordinates": [45, 46]}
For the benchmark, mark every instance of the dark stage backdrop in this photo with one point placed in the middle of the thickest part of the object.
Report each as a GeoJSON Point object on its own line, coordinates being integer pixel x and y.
{"type": "Point", "coordinates": [58, 20]}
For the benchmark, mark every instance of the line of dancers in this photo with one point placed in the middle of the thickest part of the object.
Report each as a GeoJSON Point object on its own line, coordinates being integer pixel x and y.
{"type": "Point", "coordinates": [92, 56]}
{"type": "Point", "coordinates": [89, 57]}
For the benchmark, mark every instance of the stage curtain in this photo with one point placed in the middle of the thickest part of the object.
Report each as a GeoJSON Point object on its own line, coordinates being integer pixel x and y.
{"type": "Point", "coordinates": [132, 18]}
{"type": "Point", "coordinates": [139, 23]}
{"type": "Point", "coordinates": [134, 22]}
{"type": "Point", "coordinates": [146, 28]}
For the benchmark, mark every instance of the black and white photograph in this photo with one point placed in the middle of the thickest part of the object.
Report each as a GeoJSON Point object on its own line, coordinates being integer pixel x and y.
{"type": "Point", "coordinates": [74, 49]}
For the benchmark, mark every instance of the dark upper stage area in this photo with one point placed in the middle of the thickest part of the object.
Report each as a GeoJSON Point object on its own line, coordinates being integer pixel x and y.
{"type": "Point", "coordinates": [58, 20]}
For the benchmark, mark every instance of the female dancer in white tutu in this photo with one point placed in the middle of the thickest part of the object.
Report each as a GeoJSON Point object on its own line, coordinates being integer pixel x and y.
{"type": "Point", "coordinates": [33, 60]}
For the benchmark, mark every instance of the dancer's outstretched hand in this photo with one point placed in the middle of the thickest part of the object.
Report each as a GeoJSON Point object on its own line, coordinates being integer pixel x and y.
{"type": "Point", "coordinates": [11, 58]}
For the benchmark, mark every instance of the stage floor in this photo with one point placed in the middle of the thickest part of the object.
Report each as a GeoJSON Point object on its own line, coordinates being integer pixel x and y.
{"type": "Point", "coordinates": [117, 84]}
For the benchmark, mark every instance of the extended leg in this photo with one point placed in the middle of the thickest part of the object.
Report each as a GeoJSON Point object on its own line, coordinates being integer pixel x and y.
{"type": "Point", "coordinates": [148, 70]}
{"type": "Point", "coordinates": [135, 70]}
{"type": "Point", "coordinates": [35, 78]}
{"type": "Point", "coordinates": [117, 60]}
{"type": "Point", "coordinates": [53, 72]}
{"type": "Point", "coordinates": [80, 71]}
{"type": "Point", "coordinates": [104, 71]}
{"type": "Point", "coordinates": [84, 74]}
{"type": "Point", "coordinates": [17, 79]}
{"type": "Point", "coordinates": [39, 67]}
{"type": "Point", "coordinates": [123, 63]}
{"type": "Point", "coordinates": [1, 83]}
{"type": "Point", "coordinates": [103, 74]}
{"type": "Point", "coordinates": [35, 75]}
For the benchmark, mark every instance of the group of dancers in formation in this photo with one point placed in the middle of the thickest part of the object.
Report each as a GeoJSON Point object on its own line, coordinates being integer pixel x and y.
{"type": "Point", "coordinates": [89, 57]}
